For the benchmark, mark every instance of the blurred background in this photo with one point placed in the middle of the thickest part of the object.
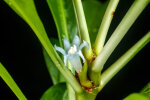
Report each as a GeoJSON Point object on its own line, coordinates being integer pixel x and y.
{"type": "Point", "coordinates": [21, 54]}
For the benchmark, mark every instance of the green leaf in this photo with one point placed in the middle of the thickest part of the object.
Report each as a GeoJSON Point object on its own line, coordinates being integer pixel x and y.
{"type": "Point", "coordinates": [146, 90]}
{"type": "Point", "coordinates": [63, 14]}
{"type": "Point", "coordinates": [26, 9]}
{"type": "Point", "coordinates": [52, 69]}
{"type": "Point", "coordinates": [56, 92]}
{"type": "Point", "coordinates": [71, 20]}
{"type": "Point", "coordinates": [57, 10]}
{"type": "Point", "coordinates": [65, 97]}
{"type": "Point", "coordinates": [143, 95]}
{"type": "Point", "coordinates": [11, 83]}
{"type": "Point", "coordinates": [136, 96]}
{"type": "Point", "coordinates": [94, 12]}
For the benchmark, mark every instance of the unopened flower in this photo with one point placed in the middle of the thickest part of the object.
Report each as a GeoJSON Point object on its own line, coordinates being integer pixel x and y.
{"type": "Point", "coordinates": [72, 52]}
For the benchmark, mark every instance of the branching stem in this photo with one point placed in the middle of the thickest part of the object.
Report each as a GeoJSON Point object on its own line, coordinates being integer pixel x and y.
{"type": "Point", "coordinates": [134, 11]}
{"type": "Point", "coordinates": [100, 39]}
{"type": "Point", "coordinates": [121, 62]}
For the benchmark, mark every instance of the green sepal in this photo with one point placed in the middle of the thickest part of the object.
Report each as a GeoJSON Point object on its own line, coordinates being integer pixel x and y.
{"type": "Point", "coordinates": [85, 82]}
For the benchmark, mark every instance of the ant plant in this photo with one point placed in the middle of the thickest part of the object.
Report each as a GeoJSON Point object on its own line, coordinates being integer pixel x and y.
{"type": "Point", "coordinates": [80, 52]}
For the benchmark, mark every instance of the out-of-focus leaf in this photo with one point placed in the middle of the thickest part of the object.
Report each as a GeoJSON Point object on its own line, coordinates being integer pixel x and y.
{"type": "Point", "coordinates": [4, 74]}
{"type": "Point", "coordinates": [65, 96]}
{"type": "Point", "coordinates": [63, 14]}
{"type": "Point", "coordinates": [56, 92]}
{"type": "Point", "coordinates": [52, 69]}
{"type": "Point", "coordinates": [71, 19]}
{"type": "Point", "coordinates": [136, 96]}
{"type": "Point", "coordinates": [94, 12]}
{"type": "Point", "coordinates": [146, 90]}
{"type": "Point", "coordinates": [143, 95]}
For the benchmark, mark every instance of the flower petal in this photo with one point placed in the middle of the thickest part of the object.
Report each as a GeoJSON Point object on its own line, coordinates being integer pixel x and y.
{"type": "Point", "coordinates": [76, 41]}
{"type": "Point", "coordinates": [67, 45]}
{"type": "Point", "coordinates": [81, 55]}
{"type": "Point", "coordinates": [75, 62]}
{"type": "Point", "coordinates": [61, 50]}
{"type": "Point", "coordinates": [84, 44]}
{"type": "Point", "coordinates": [65, 60]}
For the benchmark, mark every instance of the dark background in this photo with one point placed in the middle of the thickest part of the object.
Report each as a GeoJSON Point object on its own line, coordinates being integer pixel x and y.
{"type": "Point", "coordinates": [21, 54]}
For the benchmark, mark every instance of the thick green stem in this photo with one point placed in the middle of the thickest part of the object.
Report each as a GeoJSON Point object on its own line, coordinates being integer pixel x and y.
{"type": "Point", "coordinates": [82, 26]}
{"type": "Point", "coordinates": [95, 77]}
{"type": "Point", "coordinates": [71, 93]}
{"type": "Point", "coordinates": [100, 39]}
{"type": "Point", "coordinates": [83, 76]}
{"type": "Point", "coordinates": [121, 62]}
{"type": "Point", "coordinates": [85, 96]}
{"type": "Point", "coordinates": [134, 11]}
{"type": "Point", "coordinates": [71, 80]}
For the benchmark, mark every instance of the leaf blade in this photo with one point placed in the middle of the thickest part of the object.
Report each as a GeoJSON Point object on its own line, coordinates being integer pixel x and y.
{"type": "Point", "coordinates": [57, 9]}
{"type": "Point", "coordinates": [56, 92]}
{"type": "Point", "coordinates": [4, 74]}
{"type": "Point", "coordinates": [136, 96]}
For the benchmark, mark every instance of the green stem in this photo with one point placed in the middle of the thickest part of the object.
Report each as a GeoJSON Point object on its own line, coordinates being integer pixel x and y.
{"type": "Point", "coordinates": [82, 26]}
{"type": "Point", "coordinates": [95, 77]}
{"type": "Point", "coordinates": [71, 93]}
{"type": "Point", "coordinates": [61, 67]}
{"type": "Point", "coordinates": [134, 11]}
{"type": "Point", "coordinates": [85, 96]}
{"type": "Point", "coordinates": [69, 78]}
{"type": "Point", "coordinates": [100, 39]}
{"type": "Point", "coordinates": [122, 61]}
{"type": "Point", "coordinates": [83, 76]}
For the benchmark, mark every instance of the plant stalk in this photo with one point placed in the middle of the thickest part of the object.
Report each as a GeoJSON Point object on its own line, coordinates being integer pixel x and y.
{"type": "Point", "coordinates": [71, 93]}
{"type": "Point", "coordinates": [82, 26]}
{"type": "Point", "coordinates": [122, 61]}
{"type": "Point", "coordinates": [132, 14]}
{"type": "Point", "coordinates": [85, 96]}
{"type": "Point", "coordinates": [100, 39]}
